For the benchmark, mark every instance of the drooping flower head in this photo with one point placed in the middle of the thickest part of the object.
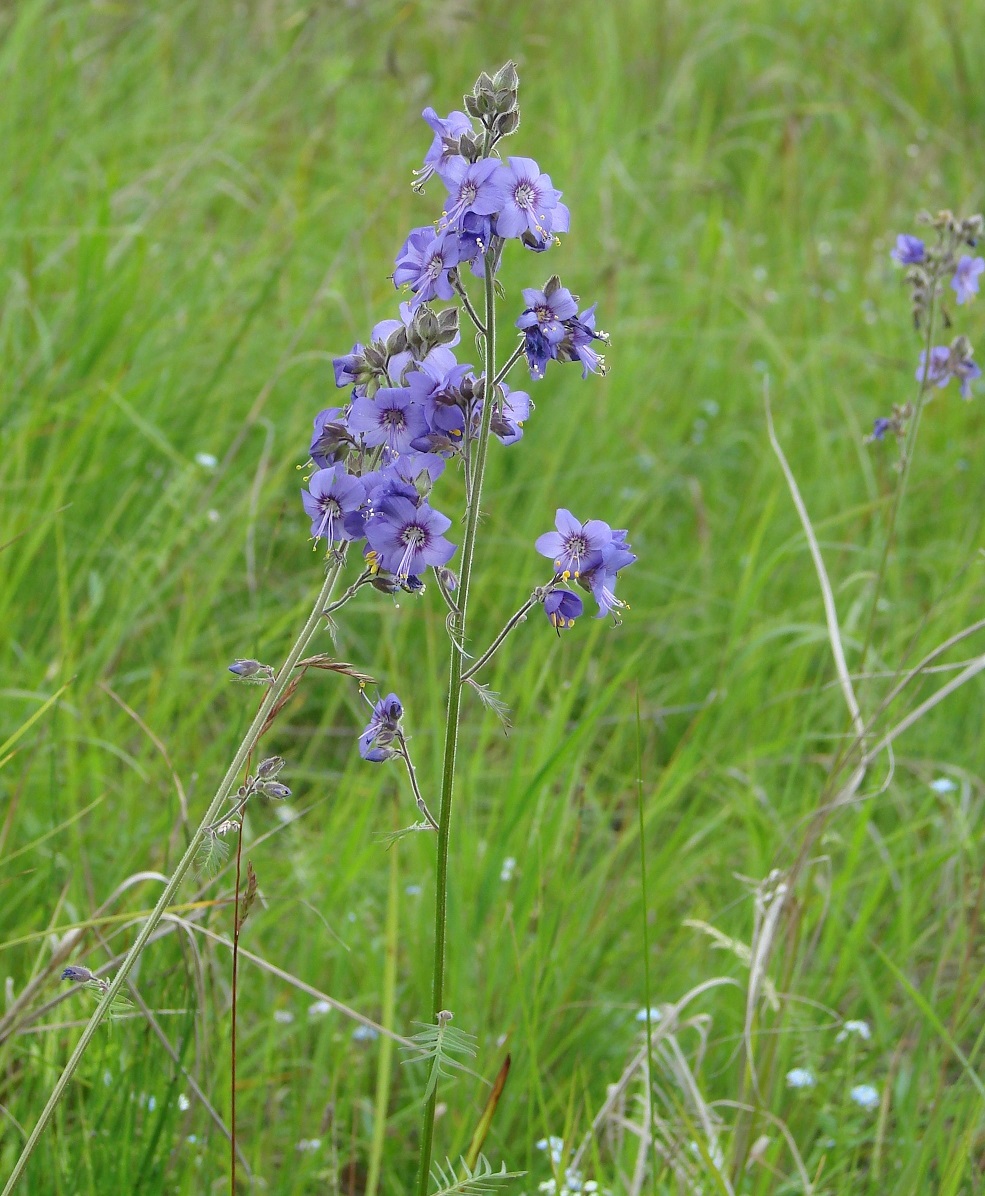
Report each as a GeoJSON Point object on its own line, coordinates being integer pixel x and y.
{"type": "Point", "coordinates": [423, 264]}
{"type": "Point", "coordinates": [530, 203]}
{"type": "Point", "coordinates": [382, 730]}
{"type": "Point", "coordinates": [331, 439]}
{"type": "Point", "coordinates": [408, 538]}
{"type": "Point", "coordinates": [332, 495]}
{"type": "Point", "coordinates": [511, 414]}
{"type": "Point", "coordinates": [965, 280]}
{"type": "Point", "coordinates": [577, 344]}
{"type": "Point", "coordinates": [574, 547]}
{"type": "Point", "coordinates": [947, 362]}
{"type": "Point", "coordinates": [391, 418]}
{"type": "Point", "coordinates": [448, 128]}
{"type": "Point", "coordinates": [909, 251]}
{"type": "Point", "coordinates": [600, 579]}
{"type": "Point", "coordinates": [543, 322]}
{"type": "Point", "coordinates": [562, 607]}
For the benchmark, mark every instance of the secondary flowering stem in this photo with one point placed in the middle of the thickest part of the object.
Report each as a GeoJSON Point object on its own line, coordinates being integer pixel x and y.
{"type": "Point", "coordinates": [510, 363]}
{"type": "Point", "coordinates": [421, 804]}
{"type": "Point", "coordinates": [270, 699]}
{"type": "Point", "coordinates": [493, 648]}
{"type": "Point", "coordinates": [453, 713]}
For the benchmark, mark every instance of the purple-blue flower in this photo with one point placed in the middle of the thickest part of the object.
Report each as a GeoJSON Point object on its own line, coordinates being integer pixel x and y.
{"type": "Point", "coordinates": [530, 202]}
{"type": "Point", "coordinates": [408, 538]}
{"type": "Point", "coordinates": [391, 418]}
{"type": "Point", "coordinates": [331, 438]}
{"type": "Point", "coordinates": [382, 730]}
{"type": "Point", "coordinates": [543, 324]}
{"type": "Point", "coordinates": [947, 363]}
{"type": "Point", "coordinates": [562, 608]}
{"type": "Point", "coordinates": [423, 264]}
{"type": "Point", "coordinates": [472, 188]}
{"type": "Point", "coordinates": [78, 974]}
{"type": "Point", "coordinates": [965, 280]}
{"type": "Point", "coordinates": [332, 495]}
{"type": "Point", "coordinates": [574, 547]}
{"type": "Point", "coordinates": [600, 579]}
{"type": "Point", "coordinates": [880, 427]}
{"type": "Point", "coordinates": [513, 412]}
{"type": "Point", "coordinates": [577, 344]}
{"type": "Point", "coordinates": [452, 126]}
{"type": "Point", "coordinates": [909, 251]}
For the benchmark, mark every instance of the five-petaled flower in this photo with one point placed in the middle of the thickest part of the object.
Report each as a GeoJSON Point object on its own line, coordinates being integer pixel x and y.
{"type": "Point", "coordinates": [408, 538]}
{"type": "Point", "coordinates": [332, 494]}
{"type": "Point", "coordinates": [574, 547]}
{"type": "Point", "coordinates": [965, 280]}
{"type": "Point", "coordinates": [909, 251]}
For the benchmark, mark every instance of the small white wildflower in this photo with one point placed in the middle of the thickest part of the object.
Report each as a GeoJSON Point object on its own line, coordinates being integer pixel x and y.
{"type": "Point", "coordinates": [151, 1104]}
{"type": "Point", "coordinates": [854, 1027]}
{"type": "Point", "coordinates": [318, 1008]}
{"type": "Point", "coordinates": [413, 890]}
{"type": "Point", "coordinates": [365, 1034]}
{"type": "Point", "coordinates": [206, 460]}
{"type": "Point", "coordinates": [213, 515]}
{"type": "Point", "coordinates": [590, 1186]}
{"type": "Point", "coordinates": [573, 1181]}
{"type": "Point", "coordinates": [184, 1103]}
{"type": "Point", "coordinates": [286, 813]}
{"type": "Point", "coordinates": [555, 1145]}
{"type": "Point", "coordinates": [192, 1138]}
{"type": "Point", "coordinates": [508, 868]}
{"type": "Point", "coordinates": [107, 1078]}
{"type": "Point", "coordinates": [865, 1095]}
{"type": "Point", "coordinates": [283, 1017]}
{"type": "Point", "coordinates": [548, 1186]}
{"type": "Point", "coordinates": [655, 1014]}
{"type": "Point", "coordinates": [943, 785]}
{"type": "Point", "coordinates": [307, 1145]}
{"type": "Point", "coordinates": [800, 1077]}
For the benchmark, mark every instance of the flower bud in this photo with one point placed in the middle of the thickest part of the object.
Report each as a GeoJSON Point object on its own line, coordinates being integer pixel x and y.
{"type": "Point", "coordinates": [246, 668]}
{"type": "Point", "coordinates": [270, 767]}
{"type": "Point", "coordinates": [275, 790]}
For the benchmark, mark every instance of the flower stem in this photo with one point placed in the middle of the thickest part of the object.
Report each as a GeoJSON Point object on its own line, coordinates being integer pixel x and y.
{"type": "Point", "coordinates": [228, 781]}
{"type": "Point", "coordinates": [493, 648]}
{"type": "Point", "coordinates": [454, 710]}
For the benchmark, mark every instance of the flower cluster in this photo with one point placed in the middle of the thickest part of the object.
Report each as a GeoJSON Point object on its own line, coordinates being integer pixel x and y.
{"type": "Point", "coordinates": [928, 268]}
{"type": "Point", "coordinates": [590, 554]}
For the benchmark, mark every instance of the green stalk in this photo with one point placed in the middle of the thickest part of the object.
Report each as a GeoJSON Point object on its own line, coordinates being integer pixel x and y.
{"type": "Point", "coordinates": [454, 708]}
{"type": "Point", "coordinates": [385, 1066]}
{"type": "Point", "coordinates": [225, 788]}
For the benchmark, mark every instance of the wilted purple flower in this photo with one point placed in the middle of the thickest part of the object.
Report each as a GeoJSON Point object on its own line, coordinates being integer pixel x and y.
{"type": "Point", "coordinates": [391, 418]}
{"type": "Point", "coordinates": [374, 742]}
{"type": "Point", "coordinates": [530, 203]}
{"type": "Point", "coordinates": [78, 974]}
{"type": "Point", "coordinates": [880, 427]}
{"type": "Point", "coordinates": [909, 251]}
{"type": "Point", "coordinates": [408, 538]}
{"type": "Point", "coordinates": [600, 579]}
{"type": "Point", "coordinates": [947, 363]}
{"type": "Point", "coordinates": [575, 546]}
{"type": "Point", "coordinates": [423, 263]}
{"type": "Point", "coordinates": [452, 126]}
{"type": "Point", "coordinates": [965, 280]}
{"type": "Point", "coordinates": [331, 439]}
{"type": "Point", "coordinates": [562, 608]}
{"type": "Point", "coordinates": [332, 494]}
{"type": "Point", "coordinates": [472, 188]}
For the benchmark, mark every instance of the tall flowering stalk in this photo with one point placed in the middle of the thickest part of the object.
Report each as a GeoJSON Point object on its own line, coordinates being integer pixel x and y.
{"type": "Point", "coordinates": [412, 410]}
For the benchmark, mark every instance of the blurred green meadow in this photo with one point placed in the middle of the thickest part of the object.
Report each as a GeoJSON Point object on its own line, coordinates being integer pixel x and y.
{"type": "Point", "coordinates": [199, 207]}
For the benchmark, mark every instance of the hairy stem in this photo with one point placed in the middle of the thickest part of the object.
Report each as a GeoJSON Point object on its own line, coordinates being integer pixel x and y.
{"type": "Point", "coordinates": [277, 687]}
{"type": "Point", "coordinates": [490, 652]}
{"type": "Point", "coordinates": [454, 710]}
